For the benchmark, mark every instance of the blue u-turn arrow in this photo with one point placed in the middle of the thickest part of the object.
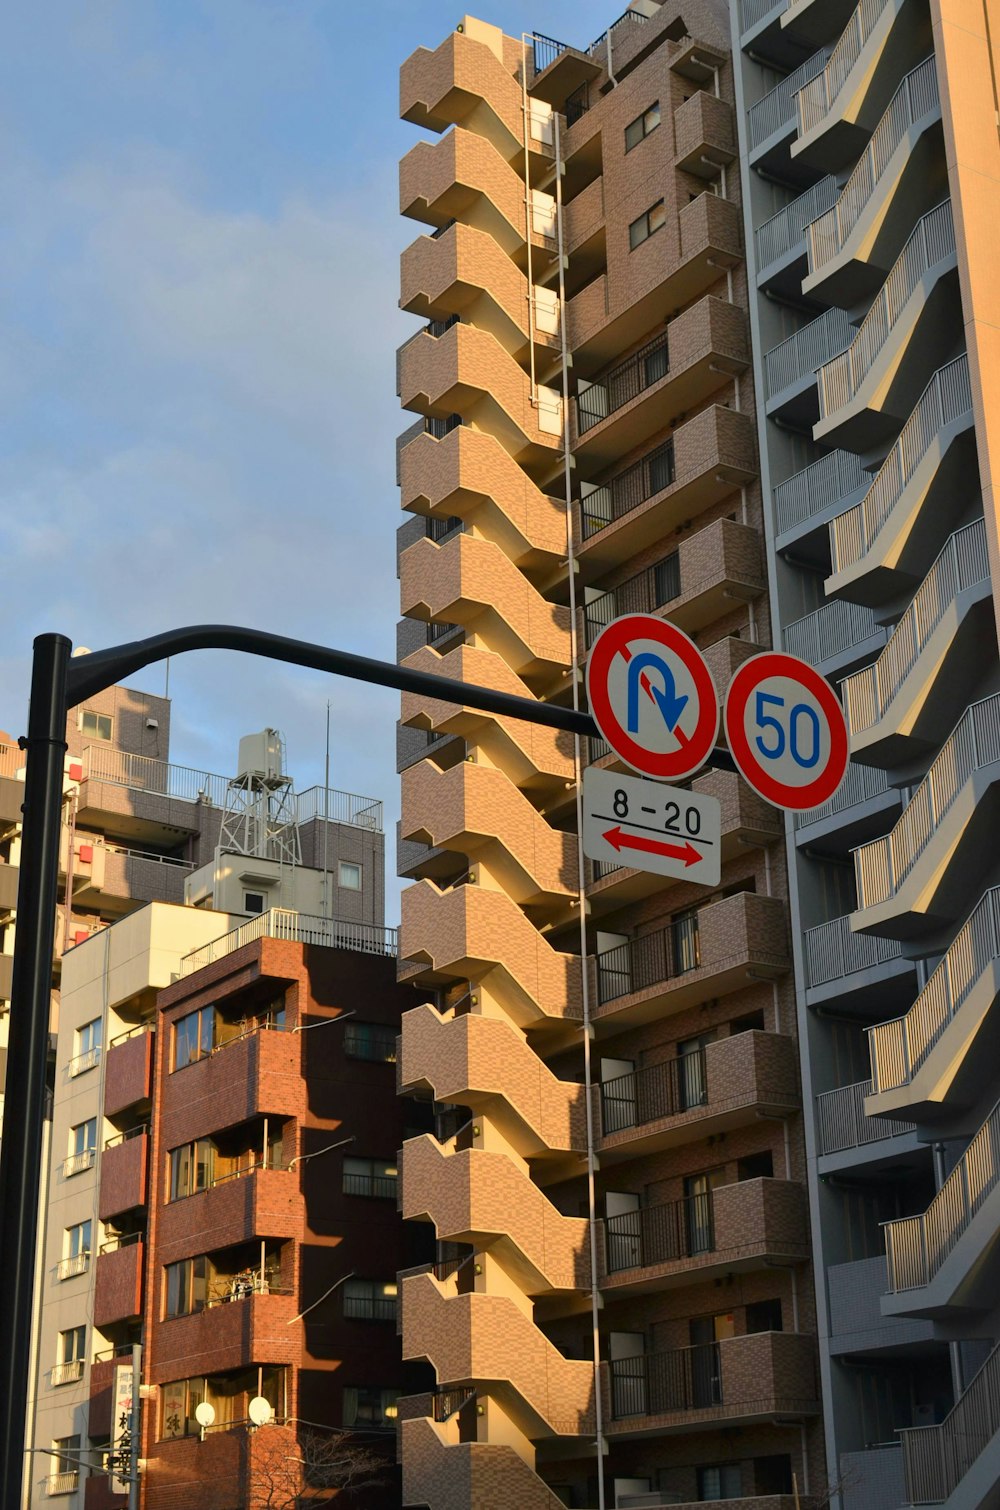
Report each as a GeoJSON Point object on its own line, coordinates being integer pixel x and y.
{"type": "Point", "coordinates": [671, 705]}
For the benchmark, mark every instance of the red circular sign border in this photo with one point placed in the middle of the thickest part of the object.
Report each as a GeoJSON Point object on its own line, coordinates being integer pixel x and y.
{"type": "Point", "coordinates": [706, 732]}
{"type": "Point", "coordinates": [778, 793]}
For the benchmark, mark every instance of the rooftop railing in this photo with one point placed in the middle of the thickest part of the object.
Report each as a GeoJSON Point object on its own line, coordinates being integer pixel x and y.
{"type": "Point", "coordinates": [660, 1234]}
{"type": "Point", "coordinates": [644, 593]}
{"type": "Point", "coordinates": [622, 383]}
{"type": "Point", "coordinates": [340, 807]}
{"type": "Point", "coordinates": [627, 18]}
{"type": "Point", "coordinates": [296, 928]}
{"type": "Point", "coordinates": [829, 631]}
{"type": "Point", "coordinates": [802, 354]}
{"type": "Point", "coordinates": [937, 1458]}
{"type": "Point", "coordinates": [787, 229]}
{"type": "Point", "coordinates": [834, 952]}
{"type": "Point", "coordinates": [882, 866]}
{"type": "Point", "coordinates": [816, 488]}
{"type": "Point", "coordinates": [915, 97]}
{"type": "Point", "coordinates": [842, 1123]}
{"type": "Point", "coordinates": [917, 1246]}
{"type": "Point", "coordinates": [930, 242]}
{"type": "Point", "coordinates": [946, 398]}
{"type": "Point", "coordinates": [628, 490]}
{"type": "Point", "coordinates": [544, 51]}
{"type": "Point", "coordinates": [777, 108]}
{"type": "Point", "coordinates": [862, 783]}
{"type": "Point", "coordinates": [899, 1047]}
{"type": "Point", "coordinates": [962, 563]}
{"type": "Point", "coordinates": [819, 96]}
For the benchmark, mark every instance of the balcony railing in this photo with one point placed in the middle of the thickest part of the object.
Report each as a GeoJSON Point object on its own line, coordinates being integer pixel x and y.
{"type": "Point", "coordinates": [917, 1246]}
{"type": "Point", "coordinates": [937, 1458]}
{"type": "Point", "coordinates": [632, 487]}
{"type": "Point", "coordinates": [882, 866]}
{"type": "Point", "coordinates": [899, 1047]}
{"type": "Point", "coordinates": [646, 961]}
{"type": "Point", "coordinates": [802, 354]}
{"type": "Point", "coordinates": [545, 50]}
{"type": "Point", "coordinates": [842, 1123]}
{"type": "Point", "coordinates": [644, 593]}
{"type": "Point", "coordinates": [383, 1186]}
{"type": "Point", "coordinates": [753, 11]}
{"type": "Point", "coordinates": [660, 1234]}
{"type": "Point", "coordinates": [655, 1091]}
{"type": "Point", "coordinates": [76, 1163]}
{"type": "Point", "coordinates": [340, 807]}
{"type": "Point", "coordinates": [62, 1483]}
{"type": "Point", "coordinates": [88, 1060]}
{"type": "Point", "coordinates": [777, 236]}
{"type": "Point", "coordinates": [446, 1403]}
{"type": "Point", "coordinates": [946, 398]}
{"type": "Point", "coordinates": [67, 1373]}
{"type": "Point", "coordinates": [296, 928]}
{"type": "Point", "coordinates": [777, 108]}
{"type": "Point", "coordinates": [625, 19]}
{"type": "Point", "coordinates": [862, 783]}
{"type": "Point", "coordinates": [915, 97]}
{"type": "Point", "coordinates": [820, 95]}
{"type": "Point", "coordinates": [962, 563]}
{"type": "Point", "coordinates": [370, 1307]}
{"type": "Point", "coordinates": [817, 488]}
{"type": "Point", "coordinates": [622, 383]}
{"type": "Point", "coordinates": [930, 242]}
{"type": "Point", "coordinates": [76, 1263]}
{"type": "Point", "coordinates": [833, 951]}
{"type": "Point", "coordinates": [830, 631]}
{"type": "Point", "coordinates": [654, 1384]}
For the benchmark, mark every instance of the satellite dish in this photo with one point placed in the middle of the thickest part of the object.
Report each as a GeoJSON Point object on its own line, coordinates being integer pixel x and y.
{"type": "Point", "coordinates": [204, 1414]}
{"type": "Point", "coordinates": [259, 1410]}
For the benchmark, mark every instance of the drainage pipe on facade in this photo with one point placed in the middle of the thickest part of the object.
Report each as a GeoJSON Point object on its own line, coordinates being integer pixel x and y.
{"type": "Point", "coordinates": [595, 1298]}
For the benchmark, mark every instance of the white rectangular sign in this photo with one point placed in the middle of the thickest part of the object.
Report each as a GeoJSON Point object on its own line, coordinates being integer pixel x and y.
{"type": "Point", "coordinates": [648, 826]}
{"type": "Point", "coordinates": [121, 1428]}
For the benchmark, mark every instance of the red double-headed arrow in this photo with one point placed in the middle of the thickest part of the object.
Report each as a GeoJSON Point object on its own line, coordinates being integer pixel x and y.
{"type": "Point", "coordinates": [620, 841]}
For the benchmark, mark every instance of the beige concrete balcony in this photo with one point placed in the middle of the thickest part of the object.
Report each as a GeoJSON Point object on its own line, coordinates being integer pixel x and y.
{"type": "Point", "coordinates": [607, 317]}
{"type": "Point", "coordinates": [703, 955]}
{"type": "Point", "coordinates": [476, 933]}
{"type": "Point", "coordinates": [478, 1338]}
{"type": "Point", "coordinates": [839, 109]}
{"type": "Point", "coordinates": [710, 457]}
{"type": "Point", "coordinates": [728, 1084]}
{"type": "Point", "coordinates": [463, 271]}
{"type": "Point", "coordinates": [747, 820]}
{"type": "Point", "coordinates": [705, 135]}
{"type": "Point", "coordinates": [474, 1196]}
{"type": "Point", "coordinates": [472, 583]}
{"type": "Point", "coordinates": [736, 1228]}
{"type": "Point", "coordinates": [470, 476]}
{"type": "Point", "coordinates": [485, 1064]}
{"type": "Point", "coordinates": [678, 369]}
{"type": "Point", "coordinates": [532, 756]}
{"type": "Point", "coordinates": [437, 1466]}
{"type": "Point", "coordinates": [477, 811]}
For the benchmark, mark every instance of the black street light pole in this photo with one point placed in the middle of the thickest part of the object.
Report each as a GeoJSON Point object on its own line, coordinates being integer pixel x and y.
{"type": "Point", "coordinates": [58, 683]}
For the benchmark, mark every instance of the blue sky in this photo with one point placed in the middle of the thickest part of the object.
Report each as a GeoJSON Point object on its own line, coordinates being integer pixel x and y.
{"type": "Point", "coordinates": [198, 285]}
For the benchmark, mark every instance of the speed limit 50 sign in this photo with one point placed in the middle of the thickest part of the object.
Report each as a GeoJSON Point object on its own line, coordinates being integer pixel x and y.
{"type": "Point", "coordinates": [786, 731]}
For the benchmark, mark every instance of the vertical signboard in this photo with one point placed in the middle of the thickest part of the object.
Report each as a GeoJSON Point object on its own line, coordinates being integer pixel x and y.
{"type": "Point", "coordinates": [121, 1427]}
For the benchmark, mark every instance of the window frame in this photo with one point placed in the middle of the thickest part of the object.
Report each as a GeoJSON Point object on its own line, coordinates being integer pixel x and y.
{"type": "Point", "coordinates": [645, 220]}
{"type": "Point", "coordinates": [361, 1036]}
{"type": "Point", "coordinates": [98, 719]}
{"type": "Point", "coordinates": [206, 1016]}
{"type": "Point", "coordinates": [196, 1160]}
{"type": "Point", "coordinates": [355, 865]}
{"type": "Point", "coordinates": [373, 1171]}
{"type": "Point", "coordinates": [645, 130]}
{"type": "Point", "coordinates": [185, 1281]}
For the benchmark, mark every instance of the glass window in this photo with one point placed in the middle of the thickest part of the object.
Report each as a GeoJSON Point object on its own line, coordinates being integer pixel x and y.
{"type": "Point", "coordinates": [194, 1036]}
{"type": "Point", "coordinates": [66, 1454]}
{"type": "Point", "coordinates": [76, 1242]}
{"type": "Point", "coordinates": [720, 1482]}
{"type": "Point", "coordinates": [667, 579]}
{"type": "Point", "coordinates": [370, 1177]}
{"type": "Point", "coordinates": [229, 1395]}
{"type": "Point", "coordinates": [370, 1407]}
{"type": "Point", "coordinates": [370, 1299]}
{"type": "Point", "coordinates": [89, 1036]}
{"type": "Point", "coordinates": [253, 902]}
{"type": "Point", "coordinates": [72, 1344]}
{"type": "Point", "coordinates": [640, 230]}
{"type": "Point", "coordinates": [643, 124]}
{"type": "Point", "coordinates": [192, 1168]}
{"type": "Point", "coordinates": [370, 1040]}
{"type": "Point", "coordinates": [185, 1286]}
{"type": "Point", "coordinates": [97, 725]}
{"type": "Point", "coordinates": [349, 875]}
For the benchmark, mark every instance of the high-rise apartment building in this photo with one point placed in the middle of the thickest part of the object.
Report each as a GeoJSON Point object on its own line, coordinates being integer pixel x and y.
{"type": "Point", "coordinates": [622, 1312]}
{"type": "Point", "coordinates": [872, 165]}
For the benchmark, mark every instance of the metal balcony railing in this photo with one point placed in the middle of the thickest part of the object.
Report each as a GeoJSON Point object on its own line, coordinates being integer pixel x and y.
{"type": "Point", "coordinates": [297, 928]}
{"type": "Point", "coordinates": [930, 242]}
{"type": "Point", "coordinates": [381, 1185]}
{"type": "Point", "coordinates": [88, 1060]}
{"type": "Point", "coordinates": [340, 807]}
{"type": "Point", "coordinates": [753, 11]}
{"type": "Point", "coordinates": [654, 1384]}
{"type": "Point", "coordinates": [937, 1458]}
{"type": "Point", "coordinates": [622, 383]}
{"type": "Point", "coordinates": [830, 631]}
{"type": "Point", "coordinates": [816, 488]}
{"type": "Point", "coordinates": [646, 961]}
{"type": "Point", "coordinates": [819, 96]}
{"type": "Point", "coordinates": [655, 1091]}
{"type": "Point", "coordinates": [962, 563]}
{"type": "Point", "coordinates": [627, 18]}
{"type": "Point", "coordinates": [915, 97]}
{"type": "Point", "coordinates": [446, 1403]}
{"type": "Point", "coordinates": [787, 229]}
{"type": "Point", "coordinates": [76, 1163]}
{"type": "Point", "coordinates": [777, 108]}
{"type": "Point", "coordinates": [899, 1047]}
{"type": "Point", "coordinates": [834, 952]}
{"type": "Point", "coordinates": [802, 354]}
{"type": "Point", "coordinates": [861, 784]}
{"type": "Point", "coordinates": [917, 1246]}
{"type": "Point", "coordinates": [76, 1263]}
{"type": "Point", "coordinates": [545, 50]}
{"type": "Point", "coordinates": [946, 398]}
{"type": "Point", "coordinates": [370, 1307]}
{"type": "Point", "coordinates": [630, 488]}
{"type": "Point", "coordinates": [67, 1373]}
{"type": "Point", "coordinates": [660, 1234]}
{"type": "Point", "coordinates": [842, 1123]}
{"type": "Point", "coordinates": [882, 866]}
{"type": "Point", "coordinates": [644, 593]}
{"type": "Point", "coordinates": [62, 1483]}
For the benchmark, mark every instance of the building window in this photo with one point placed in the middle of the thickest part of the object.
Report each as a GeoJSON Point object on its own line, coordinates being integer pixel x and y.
{"type": "Point", "coordinates": [65, 1462]}
{"type": "Point", "coordinates": [71, 1353]}
{"type": "Point", "coordinates": [87, 1047]}
{"type": "Point", "coordinates": [370, 1040]}
{"type": "Point", "coordinates": [640, 230]}
{"type": "Point", "coordinates": [723, 1481]}
{"type": "Point", "coordinates": [82, 1145]}
{"type": "Point", "coordinates": [370, 1177]}
{"type": "Point", "coordinates": [194, 1037]}
{"type": "Point", "coordinates": [96, 725]}
{"type": "Point", "coordinates": [642, 126]}
{"type": "Point", "coordinates": [192, 1168]}
{"type": "Point", "coordinates": [370, 1407]}
{"type": "Point", "coordinates": [185, 1286]}
{"type": "Point", "coordinates": [253, 902]}
{"type": "Point", "coordinates": [349, 875]}
{"type": "Point", "coordinates": [370, 1300]}
{"type": "Point", "coordinates": [76, 1250]}
{"type": "Point", "coordinates": [228, 1394]}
